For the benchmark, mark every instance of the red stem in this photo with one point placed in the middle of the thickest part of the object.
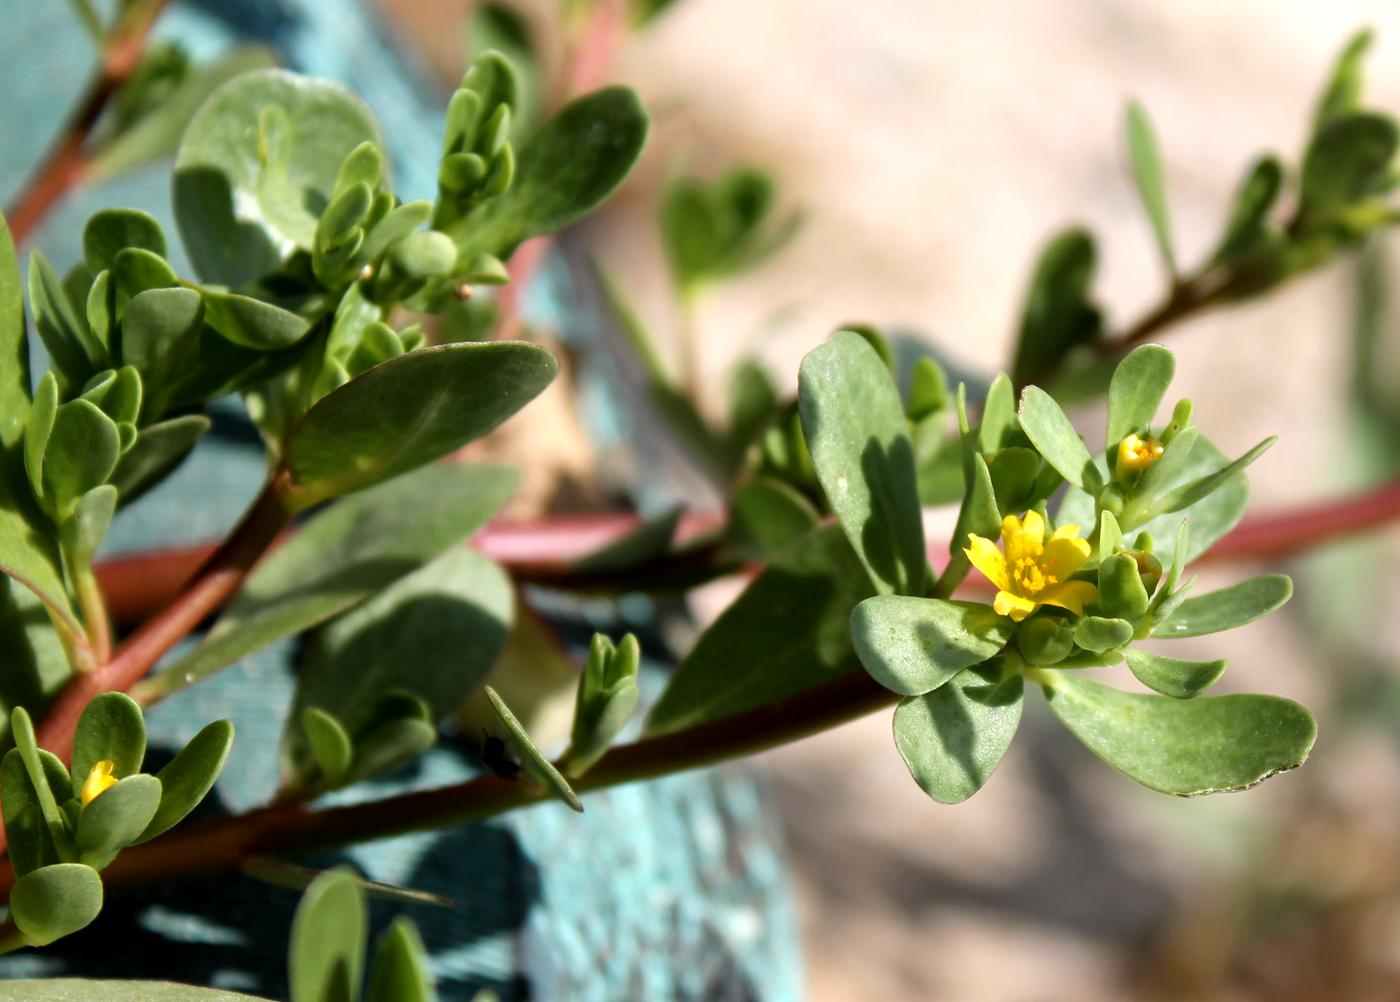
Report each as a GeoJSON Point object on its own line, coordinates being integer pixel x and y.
{"type": "Point", "coordinates": [66, 164]}
{"type": "Point", "coordinates": [213, 584]}
{"type": "Point", "coordinates": [138, 584]}
{"type": "Point", "coordinates": [223, 843]}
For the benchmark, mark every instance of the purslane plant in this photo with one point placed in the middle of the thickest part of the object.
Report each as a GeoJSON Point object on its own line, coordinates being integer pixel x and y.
{"type": "Point", "coordinates": [312, 298]}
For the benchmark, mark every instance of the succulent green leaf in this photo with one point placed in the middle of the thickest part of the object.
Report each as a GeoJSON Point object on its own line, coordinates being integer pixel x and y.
{"type": "Point", "coordinates": [111, 230]}
{"type": "Point", "coordinates": [45, 793]}
{"type": "Point", "coordinates": [115, 818]}
{"type": "Point", "coordinates": [1110, 536]}
{"type": "Point", "coordinates": [241, 205]}
{"type": "Point", "coordinates": [1184, 747]}
{"type": "Point", "coordinates": [1184, 496]}
{"type": "Point", "coordinates": [81, 453]}
{"type": "Point", "coordinates": [14, 344]}
{"type": "Point", "coordinates": [54, 901]}
{"type": "Point", "coordinates": [345, 554]}
{"type": "Point", "coordinates": [1101, 633]}
{"type": "Point", "coordinates": [1344, 89]}
{"type": "Point", "coordinates": [400, 967]}
{"type": "Point", "coordinates": [111, 728]}
{"type": "Point", "coordinates": [346, 212]}
{"type": "Point", "coordinates": [859, 439]}
{"type": "Point", "coordinates": [1173, 676]}
{"type": "Point", "coordinates": [914, 645]}
{"type": "Point", "coordinates": [251, 322]}
{"type": "Point", "coordinates": [159, 449]}
{"type": "Point", "coordinates": [1045, 640]}
{"type": "Point", "coordinates": [1050, 431]}
{"type": "Point", "coordinates": [30, 842]}
{"type": "Point", "coordinates": [75, 353]}
{"type": "Point", "coordinates": [397, 225]}
{"type": "Point", "coordinates": [328, 742]}
{"type": "Point", "coordinates": [571, 163]}
{"type": "Point", "coordinates": [1122, 593]}
{"type": "Point", "coordinates": [37, 430]}
{"type": "Point", "coordinates": [1058, 314]}
{"type": "Point", "coordinates": [189, 777]}
{"type": "Point", "coordinates": [426, 254]}
{"type": "Point", "coordinates": [1227, 608]}
{"type": "Point", "coordinates": [136, 270]}
{"type": "Point", "coordinates": [797, 613]}
{"type": "Point", "coordinates": [83, 531]}
{"type": "Point", "coordinates": [410, 411]}
{"type": "Point", "coordinates": [1349, 160]}
{"type": "Point", "coordinates": [606, 698]}
{"type": "Point", "coordinates": [160, 334]}
{"type": "Point", "coordinates": [433, 633]}
{"type": "Point", "coordinates": [532, 760]}
{"type": "Point", "coordinates": [1248, 227]}
{"type": "Point", "coordinates": [753, 400]}
{"type": "Point", "coordinates": [390, 745]}
{"type": "Point", "coordinates": [1150, 178]}
{"type": "Point", "coordinates": [1016, 479]}
{"type": "Point", "coordinates": [773, 513]}
{"type": "Point", "coordinates": [327, 954]}
{"type": "Point", "coordinates": [998, 428]}
{"type": "Point", "coordinates": [1136, 391]}
{"type": "Point", "coordinates": [953, 737]}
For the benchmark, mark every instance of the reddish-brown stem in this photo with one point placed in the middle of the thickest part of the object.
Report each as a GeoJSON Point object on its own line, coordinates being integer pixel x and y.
{"type": "Point", "coordinates": [137, 585]}
{"type": "Point", "coordinates": [213, 584]}
{"type": "Point", "coordinates": [223, 844]}
{"type": "Point", "coordinates": [66, 164]}
{"type": "Point", "coordinates": [1297, 529]}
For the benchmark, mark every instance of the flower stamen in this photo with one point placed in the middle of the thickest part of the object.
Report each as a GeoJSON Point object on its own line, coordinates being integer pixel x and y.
{"type": "Point", "coordinates": [1135, 453]}
{"type": "Point", "coordinates": [1033, 570]}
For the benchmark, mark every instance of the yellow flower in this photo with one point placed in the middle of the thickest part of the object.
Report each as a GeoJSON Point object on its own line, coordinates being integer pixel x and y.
{"type": "Point", "coordinates": [1136, 453]}
{"type": "Point", "coordinates": [1033, 571]}
{"type": "Point", "coordinates": [98, 781]}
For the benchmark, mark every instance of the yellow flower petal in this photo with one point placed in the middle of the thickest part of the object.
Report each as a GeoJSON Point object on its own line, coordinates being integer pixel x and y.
{"type": "Point", "coordinates": [985, 556]}
{"type": "Point", "coordinates": [1071, 595]}
{"type": "Point", "coordinates": [1062, 556]}
{"type": "Point", "coordinates": [1007, 604]}
{"type": "Point", "coordinates": [1033, 525]}
{"type": "Point", "coordinates": [99, 780]}
{"type": "Point", "coordinates": [1066, 532]}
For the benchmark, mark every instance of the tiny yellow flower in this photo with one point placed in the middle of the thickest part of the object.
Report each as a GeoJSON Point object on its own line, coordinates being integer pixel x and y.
{"type": "Point", "coordinates": [99, 780]}
{"type": "Point", "coordinates": [1136, 453]}
{"type": "Point", "coordinates": [1033, 571]}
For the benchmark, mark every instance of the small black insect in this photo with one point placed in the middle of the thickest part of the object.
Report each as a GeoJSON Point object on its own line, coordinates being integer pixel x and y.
{"type": "Point", "coordinates": [493, 754]}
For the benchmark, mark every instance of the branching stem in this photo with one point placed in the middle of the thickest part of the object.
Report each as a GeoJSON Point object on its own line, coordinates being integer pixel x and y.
{"type": "Point", "coordinates": [66, 164]}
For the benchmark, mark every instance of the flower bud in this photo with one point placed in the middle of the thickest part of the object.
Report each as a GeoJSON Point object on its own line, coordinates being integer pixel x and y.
{"type": "Point", "coordinates": [607, 695]}
{"type": "Point", "coordinates": [1136, 453]}
{"type": "Point", "coordinates": [1122, 593]}
{"type": "Point", "coordinates": [1044, 640]}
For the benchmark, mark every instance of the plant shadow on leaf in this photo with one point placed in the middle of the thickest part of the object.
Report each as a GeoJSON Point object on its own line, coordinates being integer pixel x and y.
{"type": "Point", "coordinates": [888, 513]}
{"type": "Point", "coordinates": [31, 676]}
{"type": "Point", "coordinates": [234, 929]}
{"type": "Point", "coordinates": [243, 250]}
